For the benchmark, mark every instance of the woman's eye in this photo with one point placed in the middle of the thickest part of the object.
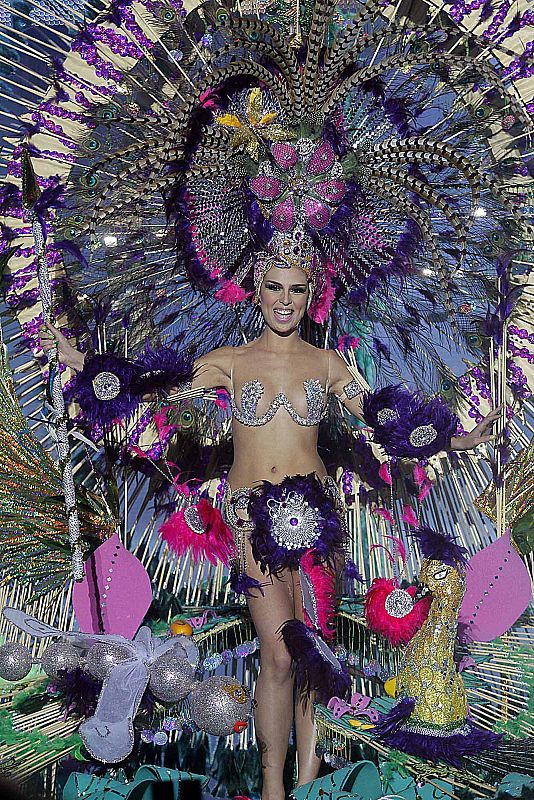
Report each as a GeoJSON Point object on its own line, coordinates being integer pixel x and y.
{"type": "Point", "coordinates": [273, 287]}
{"type": "Point", "coordinates": [298, 289]}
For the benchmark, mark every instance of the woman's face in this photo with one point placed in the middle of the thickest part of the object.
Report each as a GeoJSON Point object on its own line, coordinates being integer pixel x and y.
{"type": "Point", "coordinates": [283, 298]}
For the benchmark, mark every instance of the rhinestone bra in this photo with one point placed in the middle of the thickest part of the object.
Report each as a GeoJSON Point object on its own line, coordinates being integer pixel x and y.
{"type": "Point", "coordinates": [253, 390]}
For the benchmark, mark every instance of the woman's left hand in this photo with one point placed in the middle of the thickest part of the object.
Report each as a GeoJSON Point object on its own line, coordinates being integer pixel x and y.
{"type": "Point", "coordinates": [479, 435]}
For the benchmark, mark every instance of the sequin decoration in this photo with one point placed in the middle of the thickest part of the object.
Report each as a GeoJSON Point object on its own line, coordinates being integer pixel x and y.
{"type": "Point", "coordinates": [398, 603]}
{"type": "Point", "coordinates": [252, 391]}
{"type": "Point", "coordinates": [422, 435]}
{"type": "Point", "coordinates": [352, 389]}
{"type": "Point", "coordinates": [106, 385]}
{"type": "Point", "coordinates": [192, 517]}
{"type": "Point", "coordinates": [295, 524]}
{"type": "Point", "coordinates": [59, 656]}
{"type": "Point", "coordinates": [386, 415]}
{"type": "Point", "coordinates": [171, 679]}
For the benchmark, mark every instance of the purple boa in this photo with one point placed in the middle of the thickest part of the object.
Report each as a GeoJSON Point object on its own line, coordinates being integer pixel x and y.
{"type": "Point", "coordinates": [315, 667]}
{"type": "Point", "coordinates": [451, 749]}
{"type": "Point", "coordinates": [412, 411]}
{"type": "Point", "coordinates": [273, 557]}
{"type": "Point", "coordinates": [153, 371]}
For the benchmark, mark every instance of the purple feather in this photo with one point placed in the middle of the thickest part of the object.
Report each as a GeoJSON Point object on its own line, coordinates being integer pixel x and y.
{"type": "Point", "coordinates": [10, 197]}
{"type": "Point", "coordinates": [450, 749]}
{"type": "Point", "coordinates": [79, 692]}
{"type": "Point", "coordinates": [315, 667]}
{"type": "Point", "coordinates": [162, 369]}
{"type": "Point", "coordinates": [274, 558]}
{"type": "Point", "coordinates": [412, 411]}
{"type": "Point", "coordinates": [241, 583]}
{"type": "Point", "coordinates": [392, 721]}
{"type": "Point", "coordinates": [365, 463]}
{"type": "Point", "coordinates": [441, 547]}
{"type": "Point", "coordinates": [153, 371]}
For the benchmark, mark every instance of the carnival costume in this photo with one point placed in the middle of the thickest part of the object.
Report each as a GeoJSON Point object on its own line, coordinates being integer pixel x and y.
{"type": "Point", "coordinates": [380, 151]}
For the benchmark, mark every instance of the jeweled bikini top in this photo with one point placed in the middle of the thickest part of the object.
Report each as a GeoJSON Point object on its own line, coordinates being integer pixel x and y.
{"type": "Point", "coordinates": [253, 390]}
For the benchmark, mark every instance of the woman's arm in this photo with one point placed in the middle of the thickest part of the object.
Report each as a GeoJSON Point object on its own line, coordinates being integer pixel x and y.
{"type": "Point", "coordinates": [50, 337]}
{"type": "Point", "coordinates": [348, 389]}
{"type": "Point", "coordinates": [214, 370]}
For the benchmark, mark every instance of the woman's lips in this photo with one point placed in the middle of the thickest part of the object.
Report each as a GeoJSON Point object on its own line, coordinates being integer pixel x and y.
{"type": "Point", "coordinates": [283, 314]}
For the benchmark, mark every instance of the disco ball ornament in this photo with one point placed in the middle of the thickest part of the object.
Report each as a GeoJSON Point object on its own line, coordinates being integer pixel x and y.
{"type": "Point", "coordinates": [15, 661]}
{"type": "Point", "coordinates": [171, 679]}
{"type": "Point", "coordinates": [218, 704]}
{"type": "Point", "coordinates": [59, 656]}
{"type": "Point", "coordinates": [103, 656]}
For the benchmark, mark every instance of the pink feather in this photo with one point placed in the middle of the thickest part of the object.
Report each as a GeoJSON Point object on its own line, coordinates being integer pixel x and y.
{"type": "Point", "coordinates": [230, 293]}
{"type": "Point", "coordinates": [419, 474]}
{"type": "Point", "coordinates": [385, 473]}
{"type": "Point", "coordinates": [323, 581]}
{"type": "Point", "coordinates": [409, 516]}
{"type": "Point", "coordinates": [398, 630]}
{"type": "Point", "coordinates": [384, 513]}
{"type": "Point", "coordinates": [399, 547]}
{"type": "Point", "coordinates": [424, 490]}
{"type": "Point", "coordinates": [383, 547]}
{"type": "Point", "coordinates": [320, 307]}
{"type": "Point", "coordinates": [215, 544]}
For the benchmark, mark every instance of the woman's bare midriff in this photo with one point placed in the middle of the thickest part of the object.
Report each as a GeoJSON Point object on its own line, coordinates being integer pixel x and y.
{"type": "Point", "coordinates": [272, 451]}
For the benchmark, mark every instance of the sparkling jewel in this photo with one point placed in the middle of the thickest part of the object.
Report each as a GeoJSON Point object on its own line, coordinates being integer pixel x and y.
{"type": "Point", "coordinates": [295, 524]}
{"type": "Point", "coordinates": [218, 703]}
{"type": "Point", "coordinates": [192, 517]}
{"type": "Point", "coordinates": [59, 656]}
{"type": "Point", "coordinates": [102, 657]}
{"type": "Point", "coordinates": [106, 385]}
{"type": "Point", "coordinates": [398, 603]}
{"type": "Point", "coordinates": [161, 738]}
{"type": "Point", "coordinates": [386, 415]}
{"type": "Point", "coordinates": [423, 435]}
{"type": "Point", "coordinates": [171, 679]}
{"type": "Point", "coordinates": [15, 661]}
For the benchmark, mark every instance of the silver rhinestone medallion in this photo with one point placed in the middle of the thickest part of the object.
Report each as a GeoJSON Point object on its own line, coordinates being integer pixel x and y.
{"type": "Point", "coordinates": [106, 386]}
{"type": "Point", "coordinates": [423, 435]}
{"type": "Point", "coordinates": [398, 603]}
{"type": "Point", "coordinates": [295, 523]}
{"type": "Point", "coordinates": [192, 517]}
{"type": "Point", "coordinates": [386, 415]}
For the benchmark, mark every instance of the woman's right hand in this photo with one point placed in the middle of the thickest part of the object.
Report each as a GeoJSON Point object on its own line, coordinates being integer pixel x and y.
{"type": "Point", "coordinates": [51, 338]}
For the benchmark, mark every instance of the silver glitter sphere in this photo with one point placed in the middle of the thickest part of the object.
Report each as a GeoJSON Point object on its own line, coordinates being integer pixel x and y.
{"type": "Point", "coordinates": [171, 679]}
{"type": "Point", "coordinates": [59, 656]}
{"type": "Point", "coordinates": [399, 603]}
{"type": "Point", "coordinates": [218, 703]}
{"type": "Point", "coordinates": [15, 661]}
{"type": "Point", "coordinates": [102, 657]}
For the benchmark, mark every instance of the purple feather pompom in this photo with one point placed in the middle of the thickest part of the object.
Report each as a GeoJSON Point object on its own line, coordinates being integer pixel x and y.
{"type": "Point", "coordinates": [441, 547]}
{"type": "Point", "coordinates": [406, 424]}
{"type": "Point", "coordinates": [153, 371]}
{"type": "Point", "coordinates": [315, 666]}
{"type": "Point", "coordinates": [274, 557]}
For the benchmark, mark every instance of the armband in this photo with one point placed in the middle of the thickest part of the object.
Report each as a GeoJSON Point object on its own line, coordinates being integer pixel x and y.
{"type": "Point", "coordinates": [352, 389]}
{"type": "Point", "coordinates": [110, 388]}
{"type": "Point", "coordinates": [408, 425]}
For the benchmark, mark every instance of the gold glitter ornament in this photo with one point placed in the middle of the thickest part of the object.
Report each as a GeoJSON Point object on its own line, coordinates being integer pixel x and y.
{"type": "Point", "coordinates": [428, 672]}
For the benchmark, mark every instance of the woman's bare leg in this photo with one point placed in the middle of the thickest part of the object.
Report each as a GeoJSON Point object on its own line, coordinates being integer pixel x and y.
{"type": "Point", "coordinates": [307, 762]}
{"type": "Point", "coordinates": [274, 687]}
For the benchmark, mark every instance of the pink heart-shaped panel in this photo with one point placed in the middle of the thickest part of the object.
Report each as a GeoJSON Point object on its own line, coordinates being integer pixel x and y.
{"type": "Point", "coordinates": [321, 159]}
{"type": "Point", "coordinates": [266, 187]}
{"type": "Point", "coordinates": [284, 154]}
{"type": "Point", "coordinates": [330, 190]}
{"type": "Point", "coordinates": [497, 591]}
{"type": "Point", "coordinates": [283, 216]}
{"type": "Point", "coordinates": [317, 214]}
{"type": "Point", "coordinates": [116, 592]}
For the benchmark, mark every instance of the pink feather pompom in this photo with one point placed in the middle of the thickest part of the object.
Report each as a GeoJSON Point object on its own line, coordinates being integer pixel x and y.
{"type": "Point", "coordinates": [397, 630]}
{"type": "Point", "coordinates": [424, 490]}
{"type": "Point", "coordinates": [385, 473]}
{"type": "Point", "coordinates": [409, 516]}
{"type": "Point", "coordinates": [323, 581]}
{"type": "Point", "coordinates": [231, 293]}
{"type": "Point", "coordinates": [215, 544]}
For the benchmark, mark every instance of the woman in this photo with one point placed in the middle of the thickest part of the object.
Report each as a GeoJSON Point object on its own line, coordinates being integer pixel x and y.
{"type": "Point", "coordinates": [275, 431]}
